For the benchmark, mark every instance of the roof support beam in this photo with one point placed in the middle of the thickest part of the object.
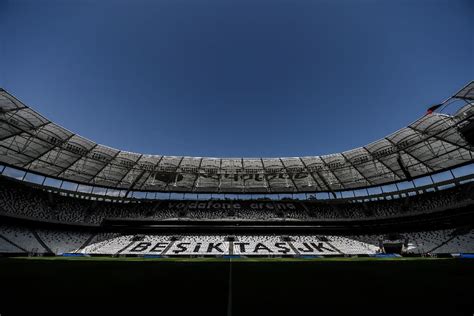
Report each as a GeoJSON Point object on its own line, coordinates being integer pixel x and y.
{"type": "Point", "coordinates": [446, 153]}
{"type": "Point", "coordinates": [36, 129]}
{"type": "Point", "coordinates": [134, 182]}
{"type": "Point", "coordinates": [242, 175]}
{"type": "Point", "coordinates": [151, 172]}
{"type": "Point", "coordinates": [381, 162]}
{"type": "Point", "coordinates": [176, 172]}
{"type": "Point", "coordinates": [219, 176]}
{"type": "Point", "coordinates": [105, 166]}
{"type": "Point", "coordinates": [269, 188]}
{"type": "Point", "coordinates": [48, 152]}
{"type": "Point", "coordinates": [129, 170]}
{"type": "Point", "coordinates": [14, 109]}
{"type": "Point", "coordinates": [80, 157]}
{"type": "Point", "coordinates": [312, 176]}
{"type": "Point", "coordinates": [334, 175]}
{"type": "Point", "coordinates": [355, 168]}
{"type": "Point", "coordinates": [20, 153]}
{"type": "Point", "coordinates": [193, 186]}
{"type": "Point", "coordinates": [442, 139]}
{"type": "Point", "coordinates": [289, 175]}
{"type": "Point", "coordinates": [410, 154]}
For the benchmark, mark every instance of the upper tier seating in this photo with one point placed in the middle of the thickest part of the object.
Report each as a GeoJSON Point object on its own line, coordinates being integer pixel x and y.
{"type": "Point", "coordinates": [19, 200]}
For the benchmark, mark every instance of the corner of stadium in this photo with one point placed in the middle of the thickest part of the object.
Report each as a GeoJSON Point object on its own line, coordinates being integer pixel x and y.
{"type": "Point", "coordinates": [91, 225]}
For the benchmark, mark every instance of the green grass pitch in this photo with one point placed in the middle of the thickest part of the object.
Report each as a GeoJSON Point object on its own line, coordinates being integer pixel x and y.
{"type": "Point", "coordinates": [218, 286]}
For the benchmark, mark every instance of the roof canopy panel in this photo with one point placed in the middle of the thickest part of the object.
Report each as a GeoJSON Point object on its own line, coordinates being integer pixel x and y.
{"type": "Point", "coordinates": [30, 142]}
{"type": "Point", "coordinates": [467, 92]}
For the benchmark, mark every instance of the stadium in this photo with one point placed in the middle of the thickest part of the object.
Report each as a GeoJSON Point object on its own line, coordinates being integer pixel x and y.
{"type": "Point", "coordinates": [236, 158]}
{"type": "Point", "coordinates": [406, 198]}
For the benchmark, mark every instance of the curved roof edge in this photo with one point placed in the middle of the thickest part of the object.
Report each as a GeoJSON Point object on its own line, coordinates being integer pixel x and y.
{"type": "Point", "coordinates": [29, 141]}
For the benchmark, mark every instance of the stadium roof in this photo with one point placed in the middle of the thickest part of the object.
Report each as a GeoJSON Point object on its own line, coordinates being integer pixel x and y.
{"type": "Point", "coordinates": [30, 142]}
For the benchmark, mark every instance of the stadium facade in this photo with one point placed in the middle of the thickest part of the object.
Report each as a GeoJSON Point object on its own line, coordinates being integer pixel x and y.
{"type": "Point", "coordinates": [64, 194]}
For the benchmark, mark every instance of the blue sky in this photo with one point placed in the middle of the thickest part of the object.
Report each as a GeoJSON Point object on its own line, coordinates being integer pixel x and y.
{"type": "Point", "coordinates": [235, 78]}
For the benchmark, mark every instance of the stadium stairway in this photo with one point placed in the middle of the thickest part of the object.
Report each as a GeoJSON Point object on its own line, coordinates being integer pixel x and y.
{"type": "Point", "coordinates": [132, 241]}
{"type": "Point", "coordinates": [86, 243]}
{"type": "Point", "coordinates": [295, 249]}
{"type": "Point", "coordinates": [13, 244]}
{"type": "Point", "coordinates": [168, 247]}
{"type": "Point", "coordinates": [334, 247]}
{"type": "Point", "coordinates": [454, 235]}
{"type": "Point", "coordinates": [42, 243]}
